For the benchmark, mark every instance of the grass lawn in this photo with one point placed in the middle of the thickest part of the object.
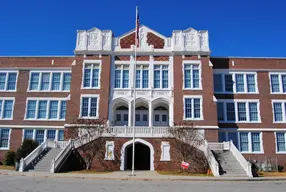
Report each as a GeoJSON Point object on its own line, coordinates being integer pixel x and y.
{"type": "Point", "coordinates": [7, 167]}
{"type": "Point", "coordinates": [90, 172]}
{"type": "Point", "coordinates": [272, 174]}
{"type": "Point", "coordinates": [181, 173]}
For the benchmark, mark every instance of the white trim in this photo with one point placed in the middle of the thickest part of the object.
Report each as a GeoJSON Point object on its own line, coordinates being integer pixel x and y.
{"type": "Point", "coordinates": [89, 102]}
{"type": "Point", "coordinates": [45, 133]}
{"type": "Point", "coordinates": [123, 150]}
{"type": "Point", "coordinates": [107, 144]}
{"type": "Point", "coordinates": [254, 129]}
{"type": "Point", "coordinates": [3, 99]}
{"type": "Point", "coordinates": [280, 82]}
{"type": "Point", "coordinates": [201, 106]}
{"type": "Point", "coordinates": [276, 144]}
{"type": "Point", "coordinates": [192, 62]}
{"type": "Point", "coordinates": [6, 81]}
{"type": "Point", "coordinates": [235, 101]}
{"type": "Point", "coordinates": [29, 126]}
{"type": "Point", "coordinates": [96, 62]}
{"type": "Point", "coordinates": [283, 107]}
{"type": "Point", "coordinates": [165, 157]}
{"type": "Point", "coordinates": [9, 137]}
{"type": "Point", "coordinates": [222, 73]}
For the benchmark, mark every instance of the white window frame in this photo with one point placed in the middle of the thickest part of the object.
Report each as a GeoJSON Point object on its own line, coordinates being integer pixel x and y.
{"type": "Point", "coordinates": [122, 65]}
{"type": "Point", "coordinates": [165, 157]}
{"type": "Point", "coordinates": [6, 81]}
{"type": "Point", "coordinates": [141, 66]}
{"type": "Point", "coordinates": [161, 75]}
{"type": "Point", "coordinates": [96, 62]}
{"type": "Point", "coordinates": [9, 138]}
{"type": "Point", "coordinates": [234, 73]}
{"type": "Point", "coordinates": [97, 107]}
{"type": "Point", "coordinates": [50, 81]}
{"type": "Point", "coordinates": [2, 109]}
{"type": "Point", "coordinates": [192, 62]}
{"type": "Point", "coordinates": [280, 82]}
{"type": "Point", "coordinates": [45, 134]}
{"type": "Point", "coordinates": [235, 101]}
{"type": "Point", "coordinates": [283, 110]}
{"type": "Point", "coordinates": [107, 145]}
{"type": "Point", "coordinates": [276, 144]}
{"type": "Point", "coordinates": [250, 143]}
{"type": "Point", "coordinates": [48, 99]}
{"type": "Point", "coordinates": [201, 107]}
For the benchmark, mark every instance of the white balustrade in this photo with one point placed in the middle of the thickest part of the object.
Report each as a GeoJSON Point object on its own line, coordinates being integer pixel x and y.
{"type": "Point", "coordinates": [60, 157]}
{"type": "Point", "coordinates": [219, 146]}
{"type": "Point", "coordinates": [125, 131]}
{"type": "Point", "coordinates": [211, 159]}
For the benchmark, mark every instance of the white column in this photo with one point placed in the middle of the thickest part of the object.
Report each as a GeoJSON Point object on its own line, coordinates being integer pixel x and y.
{"type": "Point", "coordinates": [150, 114]}
{"type": "Point", "coordinates": [151, 68]}
{"type": "Point", "coordinates": [129, 114]}
{"type": "Point", "coordinates": [45, 134]}
{"type": "Point", "coordinates": [171, 114]}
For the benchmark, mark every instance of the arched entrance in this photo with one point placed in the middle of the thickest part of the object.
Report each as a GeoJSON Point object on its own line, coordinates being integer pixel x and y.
{"type": "Point", "coordinates": [144, 155]}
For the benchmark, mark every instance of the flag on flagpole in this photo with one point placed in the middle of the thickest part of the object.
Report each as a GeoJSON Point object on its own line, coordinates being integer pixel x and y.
{"type": "Point", "coordinates": [137, 28]}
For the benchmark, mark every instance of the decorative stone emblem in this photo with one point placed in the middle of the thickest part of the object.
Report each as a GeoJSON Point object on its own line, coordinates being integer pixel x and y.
{"type": "Point", "coordinates": [190, 40]}
{"type": "Point", "coordinates": [93, 39]}
{"type": "Point", "coordinates": [177, 39]}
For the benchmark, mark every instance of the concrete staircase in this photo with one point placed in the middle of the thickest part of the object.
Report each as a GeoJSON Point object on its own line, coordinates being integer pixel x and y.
{"type": "Point", "coordinates": [228, 164]}
{"type": "Point", "coordinates": [44, 165]}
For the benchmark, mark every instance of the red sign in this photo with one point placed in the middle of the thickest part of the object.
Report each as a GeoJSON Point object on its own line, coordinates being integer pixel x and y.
{"type": "Point", "coordinates": [185, 165]}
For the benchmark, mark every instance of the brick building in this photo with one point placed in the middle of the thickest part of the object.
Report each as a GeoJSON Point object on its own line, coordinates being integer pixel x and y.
{"type": "Point", "coordinates": [177, 81]}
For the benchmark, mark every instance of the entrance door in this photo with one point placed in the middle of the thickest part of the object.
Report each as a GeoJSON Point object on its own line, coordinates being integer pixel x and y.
{"type": "Point", "coordinates": [142, 157]}
{"type": "Point", "coordinates": [142, 118]}
{"type": "Point", "coordinates": [160, 118]}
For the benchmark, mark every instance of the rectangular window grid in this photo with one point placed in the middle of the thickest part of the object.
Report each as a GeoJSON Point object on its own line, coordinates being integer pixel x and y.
{"type": "Point", "coordinates": [8, 81]}
{"type": "Point", "coordinates": [91, 76]}
{"type": "Point", "coordinates": [192, 108]}
{"type": "Point", "coordinates": [192, 76]}
{"type": "Point", "coordinates": [89, 107]}
{"type": "Point", "coordinates": [6, 109]}
{"type": "Point", "coordinates": [4, 138]}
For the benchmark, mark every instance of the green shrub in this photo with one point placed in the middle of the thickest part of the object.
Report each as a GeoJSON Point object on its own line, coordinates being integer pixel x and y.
{"type": "Point", "coordinates": [280, 168]}
{"type": "Point", "coordinates": [26, 148]}
{"type": "Point", "coordinates": [9, 159]}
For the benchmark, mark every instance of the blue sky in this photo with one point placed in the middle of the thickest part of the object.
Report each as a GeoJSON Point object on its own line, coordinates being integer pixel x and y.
{"type": "Point", "coordinates": [236, 28]}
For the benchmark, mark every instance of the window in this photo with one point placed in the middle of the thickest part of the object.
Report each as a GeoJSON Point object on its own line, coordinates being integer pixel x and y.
{"type": "Point", "coordinates": [121, 76]}
{"type": "Point", "coordinates": [235, 82]}
{"type": "Point", "coordinates": [4, 138]}
{"type": "Point", "coordinates": [89, 107]}
{"type": "Point", "coordinates": [40, 135]}
{"type": "Point", "coordinates": [51, 134]}
{"type": "Point", "coordinates": [28, 134]}
{"type": "Point", "coordinates": [164, 118]}
{"type": "Point", "coordinates": [61, 135]}
{"type": "Point", "coordinates": [145, 117]}
{"type": "Point", "coordinates": [8, 81]}
{"type": "Point", "coordinates": [193, 109]}
{"type": "Point", "coordinates": [109, 148]}
{"type": "Point", "coordinates": [165, 151]}
{"type": "Point", "coordinates": [192, 76]}
{"type": "Point", "coordinates": [280, 142]}
{"type": "Point", "coordinates": [278, 82]}
{"type": "Point", "coordinates": [250, 142]}
{"type": "Point", "coordinates": [238, 111]}
{"type": "Point", "coordinates": [6, 108]}
{"type": "Point", "coordinates": [125, 117]}
{"type": "Point", "coordinates": [91, 76]}
{"type": "Point", "coordinates": [137, 117]}
{"type": "Point", "coordinates": [161, 76]}
{"type": "Point", "coordinates": [118, 117]}
{"type": "Point", "coordinates": [50, 81]}
{"type": "Point", "coordinates": [142, 76]}
{"type": "Point", "coordinates": [279, 109]}
{"type": "Point", "coordinates": [45, 109]}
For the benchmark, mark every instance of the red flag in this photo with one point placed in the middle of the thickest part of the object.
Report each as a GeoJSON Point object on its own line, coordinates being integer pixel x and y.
{"type": "Point", "coordinates": [137, 28]}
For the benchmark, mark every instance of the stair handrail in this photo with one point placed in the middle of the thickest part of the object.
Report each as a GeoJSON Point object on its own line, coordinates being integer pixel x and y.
{"type": "Point", "coordinates": [211, 160]}
{"type": "Point", "coordinates": [60, 157]}
{"type": "Point", "coordinates": [243, 162]}
{"type": "Point", "coordinates": [24, 162]}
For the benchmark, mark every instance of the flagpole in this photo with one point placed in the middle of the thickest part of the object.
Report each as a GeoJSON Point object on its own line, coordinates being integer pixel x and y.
{"type": "Point", "coordinates": [134, 92]}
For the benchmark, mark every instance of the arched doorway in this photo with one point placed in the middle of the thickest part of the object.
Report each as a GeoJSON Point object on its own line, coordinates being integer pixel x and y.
{"type": "Point", "coordinates": [142, 157]}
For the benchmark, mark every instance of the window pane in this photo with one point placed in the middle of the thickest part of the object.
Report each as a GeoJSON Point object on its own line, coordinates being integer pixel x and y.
{"type": "Point", "coordinates": [138, 78]}
{"type": "Point", "coordinates": [145, 117]}
{"type": "Point", "coordinates": [67, 81]}
{"type": "Point", "coordinates": [2, 81]}
{"type": "Point", "coordinates": [253, 113]}
{"type": "Point", "coordinates": [12, 77]}
{"type": "Point", "coordinates": [157, 79]}
{"type": "Point", "coordinates": [125, 79]}
{"type": "Point", "coordinates": [164, 118]}
{"type": "Point", "coordinates": [275, 83]}
{"type": "Point", "coordinates": [217, 83]}
{"type": "Point", "coordinates": [239, 78]}
{"type": "Point", "coordinates": [63, 109]}
{"type": "Point", "coordinates": [244, 142]}
{"type": "Point", "coordinates": [118, 117]}
{"type": "Point", "coordinates": [86, 81]}
{"type": "Point", "coordinates": [85, 102]}
{"type": "Point", "coordinates": [45, 81]}
{"type": "Point", "coordinates": [28, 134]}
{"type": "Point", "coordinates": [51, 134]}
{"type": "Point", "coordinates": [137, 117]}
{"type": "Point", "coordinates": [4, 138]}
{"type": "Point", "coordinates": [284, 83]}
{"type": "Point", "coordinates": [145, 78]}
{"type": "Point", "coordinates": [34, 81]}
{"type": "Point", "coordinates": [197, 108]}
{"type": "Point", "coordinates": [165, 83]}
{"type": "Point", "coordinates": [278, 112]}
{"type": "Point", "coordinates": [40, 136]}
{"type": "Point", "coordinates": [280, 137]}
{"type": "Point", "coordinates": [241, 107]}
{"type": "Point", "coordinates": [255, 138]}
{"type": "Point", "coordinates": [31, 109]}
{"type": "Point", "coordinates": [230, 112]}
{"type": "Point", "coordinates": [157, 118]}
{"type": "Point", "coordinates": [228, 83]}
{"type": "Point", "coordinates": [188, 108]}
{"type": "Point", "coordinates": [196, 78]}
{"type": "Point", "coordinates": [8, 107]}
{"type": "Point", "coordinates": [61, 135]}
{"type": "Point", "coordinates": [93, 107]}
{"type": "Point", "coordinates": [42, 112]}
{"type": "Point", "coordinates": [95, 77]}
{"type": "Point", "coordinates": [125, 117]}
{"type": "Point", "coordinates": [220, 112]}
{"type": "Point", "coordinates": [56, 81]}
{"type": "Point", "coordinates": [187, 76]}
{"type": "Point", "coordinates": [53, 113]}
{"type": "Point", "coordinates": [251, 83]}
{"type": "Point", "coordinates": [117, 78]}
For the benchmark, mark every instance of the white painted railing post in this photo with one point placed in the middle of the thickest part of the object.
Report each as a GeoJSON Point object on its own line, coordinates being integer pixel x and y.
{"type": "Point", "coordinates": [21, 166]}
